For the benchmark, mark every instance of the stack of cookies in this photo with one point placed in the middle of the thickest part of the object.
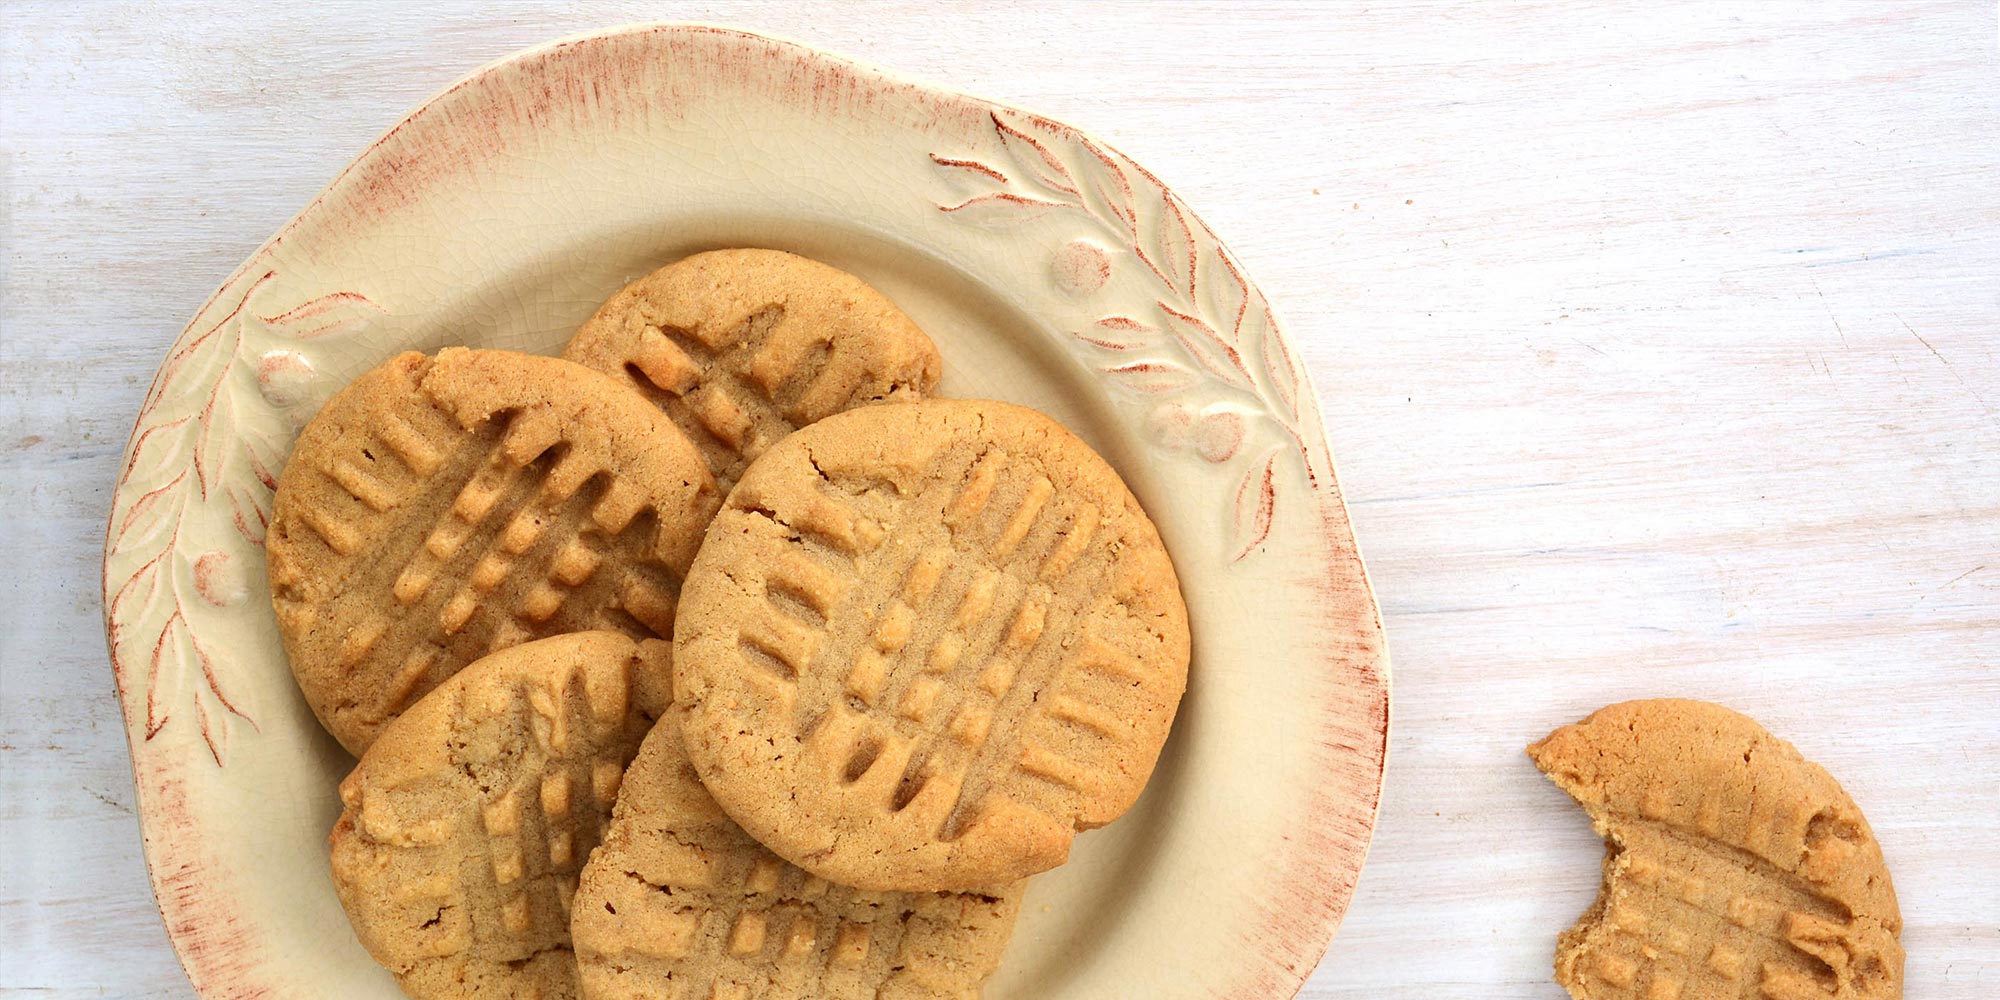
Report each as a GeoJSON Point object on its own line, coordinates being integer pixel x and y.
{"type": "Point", "coordinates": [714, 659]}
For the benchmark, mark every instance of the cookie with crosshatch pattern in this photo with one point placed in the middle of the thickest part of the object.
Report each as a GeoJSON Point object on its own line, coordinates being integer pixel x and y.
{"type": "Point", "coordinates": [438, 509]}
{"type": "Point", "coordinates": [925, 644]}
{"type": "Point", "coordinates": [1735, 869]}
{"type": "Point", "coordinates": [679, 902]}
{"type": "Point", "coordinates": [468, 819]}
{"type": "Point", "coordinates": [741, 347]}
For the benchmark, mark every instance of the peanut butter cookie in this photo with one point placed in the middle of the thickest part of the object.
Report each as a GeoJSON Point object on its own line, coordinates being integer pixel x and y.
{"type": "Point", "coordinates": [741, 347]}
{"type": "Point", "coordinates": [1735, 869]}
{"type": "Point", "coordinates": [925, 644]}
{"type": "Point", "coordinates": [468, 819]}
{"type": "Point", "coordinates": [680, 902]}
{"type": "Point", "coordinates": [436, 510]}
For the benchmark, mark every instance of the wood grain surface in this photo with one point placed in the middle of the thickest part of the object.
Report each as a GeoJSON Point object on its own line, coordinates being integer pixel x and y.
{"type": "Point", "coordinates": [1660, 353]}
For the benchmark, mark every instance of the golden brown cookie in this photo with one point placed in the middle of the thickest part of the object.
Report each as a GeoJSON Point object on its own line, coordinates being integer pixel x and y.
{"type": "Point", "coordinates": [468, 819]}
{"type": "Point", "coordinates": [435, 510]}
{"type": "Point", "coordinates": [924, 644]}
{"type": "Point", "coordinates": [681, 903]}
{"type": "Point", "coordinates": [1735, 869]}
{"type": "Point", "coordinates": [741, 347]}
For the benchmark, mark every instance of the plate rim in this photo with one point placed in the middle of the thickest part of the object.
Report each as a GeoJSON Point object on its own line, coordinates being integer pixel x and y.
{"type": "Point", "coordinates": [1302, 943]}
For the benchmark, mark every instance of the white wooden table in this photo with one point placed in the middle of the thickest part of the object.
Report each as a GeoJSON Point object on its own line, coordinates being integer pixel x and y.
{"type": "Point", "coordinates": [1661, 355]}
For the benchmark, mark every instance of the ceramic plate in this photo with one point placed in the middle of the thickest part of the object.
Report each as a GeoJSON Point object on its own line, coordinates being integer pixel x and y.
{"type": "Point", "coordinates": [1050, 269]}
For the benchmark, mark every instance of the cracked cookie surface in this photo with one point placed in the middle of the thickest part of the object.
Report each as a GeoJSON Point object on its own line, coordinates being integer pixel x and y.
{"type": "Point", "coordinates": [1735, 869]}
{"type": "Point", "coordinates": [680, 904]}
{"type": "Point", "coordinates": [924, 644]}
{"type": "Point", "coordinates": [742, 347]}
{"type": "Point", "coordinates": [438, 509]}
{"type": "Point", "coordinates": [466, 823]}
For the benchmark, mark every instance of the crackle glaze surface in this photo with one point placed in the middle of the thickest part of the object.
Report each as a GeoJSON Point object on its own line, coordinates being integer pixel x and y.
{"type": "Point", "coordinates": [1051, 270]}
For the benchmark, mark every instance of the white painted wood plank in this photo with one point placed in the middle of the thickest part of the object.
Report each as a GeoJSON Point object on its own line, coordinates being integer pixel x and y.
{"type": "Point", "coordinates": [1658, 350]}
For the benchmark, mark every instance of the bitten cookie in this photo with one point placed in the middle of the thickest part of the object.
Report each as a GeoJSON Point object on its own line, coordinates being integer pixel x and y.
{"type": "Point", "coordinates": [468, 819]}
{"type": "Point", "coordinates": [681, 903]}
{"type": "Point", "coordinates": [436, 510]}
{"type": "Point", "coordinates": [1735, 869]}
{"type": "Point", "coordinates": [925, 644]}
{"type": "Point", "coordinates": [741, 347]}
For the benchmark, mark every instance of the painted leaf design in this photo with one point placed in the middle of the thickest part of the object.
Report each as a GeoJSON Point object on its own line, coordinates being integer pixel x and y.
{"type": "Point", "coordinates": [173, 656]}
{"type": "Point", "coordinates": [212, 720]}
{"type": "Point", "coordinates": [177, 658]}
{"type": "Point", "coordinates": [149, 515]}
{"type": "Point", "coordinates": [222, 453]}
{"type": "Point", "coordinates": [1175, 246]}
{"type": "Point", "coordinates": [330, 315]}
{"type": "Point", "coordinates": [138, 599]}
{"type": "Point", "coordinates": [1211, 326]}
{"type": "Point", "coordinates": [1105, 188]}
{"type": "Point", "coordinates": [156, 447]}
{"type": "Point", "coordinates": [1001, 209]}
{"type": "Point", "coordinates": [194, 353]}
{"type": "Point", "coordinates": [1152, 377]}
{"type": "Point", "coordinates": [145, 447]}
{"type": "Point", "coordinates": [1256, 503]}
{"type": "Point", "coordinates": [1225, 296]}
{"type": "Point", "coordinates": [168, 669]}
{"type": "Point", "coordinates": [1278, 365]}
{"type": "Point", "coordinates": [262, 470]}
{"type": "Point", "coordinates": [1034, 159]}
{"type": "Point", "coordinates": [214, 426]}
{"type": "Point", "coordinates": [1119, 333]}
{"type": "Point", "coordinates": [979, 175]}
{"type": "Point", "coordinates": [250, 511]}
{"type": "Point", "coordinates": [260, 452]}
{"type": "Point", "coordinates": [1206, 347]}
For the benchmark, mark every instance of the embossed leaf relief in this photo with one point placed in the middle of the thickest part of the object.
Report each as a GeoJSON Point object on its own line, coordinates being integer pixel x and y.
{"type": "Point", "coordinates": [1204, 329]}
{"type": "Point", "coordinates": [210, 438]}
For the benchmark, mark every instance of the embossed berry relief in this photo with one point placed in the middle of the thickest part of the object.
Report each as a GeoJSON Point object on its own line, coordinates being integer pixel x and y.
{"type": "Point", "coordinates": [210, 438]}
{"type": "Point", "coordinates": [1187, 331]}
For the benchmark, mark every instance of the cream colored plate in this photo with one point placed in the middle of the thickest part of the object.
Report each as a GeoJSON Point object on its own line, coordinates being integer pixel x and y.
{"type": "Point", "coordinates": [1051, 270]}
